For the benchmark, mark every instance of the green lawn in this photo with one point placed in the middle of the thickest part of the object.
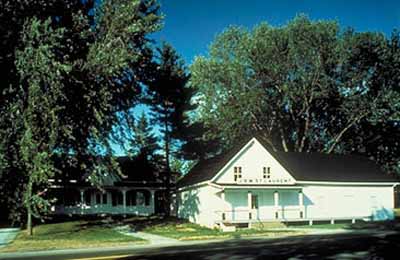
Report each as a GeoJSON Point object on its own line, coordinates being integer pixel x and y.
{"type": "Point", "coordinates": [183, 230]}
{"type": "Point", "coordinates": [74, 234]}
{"type": "Point", "coordinates": [323, 226]}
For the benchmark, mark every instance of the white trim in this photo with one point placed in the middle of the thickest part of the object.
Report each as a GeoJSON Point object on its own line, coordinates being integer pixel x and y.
{"type": "Point", "coordinates": [252, 141]}
{"type": "Point", "coordinates": [347, 183]}
{"type": "Point", "coordinates": [216, 186]}
{"type": "Point", "coordinates": [193, 185]}
{"type": "Point", "coordinates": [264, 187]}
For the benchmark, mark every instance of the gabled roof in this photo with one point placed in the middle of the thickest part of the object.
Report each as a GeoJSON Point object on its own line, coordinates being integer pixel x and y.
{"type": "Point", "coordinates": [205, 170]}
{"type": "Point", "coordinates": [311, 167]}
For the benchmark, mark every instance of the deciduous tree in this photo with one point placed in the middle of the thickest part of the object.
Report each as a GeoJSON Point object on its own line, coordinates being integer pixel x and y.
{"type": "Point", "coordinates": [301, 87]}
{"type": "Point", "coordinates": [70, 67]}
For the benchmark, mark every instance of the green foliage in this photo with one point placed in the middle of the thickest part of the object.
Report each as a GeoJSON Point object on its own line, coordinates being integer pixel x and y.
{"type": "Point", "coordinates": [41, 76]}
{"type": "Point", "coordinates": [302, 87]}
{"type": "Point", "coordinates": [145, 141]}
{"type": "Point", "coordinates": [137, 138]}
{"type": "Point", "coordinates": [169, 96]}
{"type": "Point", "coordinates": [69, 67]}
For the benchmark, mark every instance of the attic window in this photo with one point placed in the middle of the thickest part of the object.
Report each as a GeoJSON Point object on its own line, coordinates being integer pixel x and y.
{"type": "Point", "coordinates": [237, 170]}
{"type": "Point", "coordinates": [266, 172]}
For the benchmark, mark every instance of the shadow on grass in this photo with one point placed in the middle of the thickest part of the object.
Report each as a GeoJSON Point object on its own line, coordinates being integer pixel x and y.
{"type": "Point", "coordinates": [141, 223]}
{"type": "Point", "coordinates": [393, 225]}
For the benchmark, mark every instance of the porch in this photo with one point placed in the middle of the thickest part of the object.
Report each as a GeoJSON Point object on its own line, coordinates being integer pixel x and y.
{"type": "Point", "coordinates": [285, 205]}
{"type": "Point", "coordinates": [261, 205]}
{"type": "Point", "coordinates": [118, 201]}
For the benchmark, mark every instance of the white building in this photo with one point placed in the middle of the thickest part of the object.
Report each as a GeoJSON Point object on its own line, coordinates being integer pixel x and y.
{"type": "Point", "coordinates": [253, 184]}
{"type": "Point", "coordinates": [140, 191]}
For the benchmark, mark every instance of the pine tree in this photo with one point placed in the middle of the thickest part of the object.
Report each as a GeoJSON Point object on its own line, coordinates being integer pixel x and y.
{"type": "Point", "coordinates": [145, 143]}
{"type": "Point", "coordinates": [168, 91]}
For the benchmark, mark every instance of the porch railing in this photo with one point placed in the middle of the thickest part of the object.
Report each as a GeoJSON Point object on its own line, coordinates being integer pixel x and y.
{"type": "Point", "coordinates": [103, 209]}
{"type": "Point", "coordinates": [244, 215]}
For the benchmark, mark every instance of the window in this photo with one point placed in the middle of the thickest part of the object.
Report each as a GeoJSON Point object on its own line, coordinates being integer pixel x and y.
{"type": "Point", "coordinates": [88, 198]}
{"type": "Point", "coordinates": [266, 172]}
{"type": "Point", "coordinates": [98, 200]}
{"type": "Point", "coordinates": [140, 199]}
{"type": "Point", "coordinates": [116, 198]}
{"type": "Point", "coordinates": [237, 170]}
{"type": "Point", "coordinates": [131, 198]}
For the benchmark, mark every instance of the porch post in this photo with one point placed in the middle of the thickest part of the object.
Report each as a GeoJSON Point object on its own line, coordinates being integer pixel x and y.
{"type": "Point", "coordinates": [152, 202]}
{"type": "Point", "coordinates": [301, 204]}
{"type": "Point", "coordinates": [249, 204]}
{"type": "Point", "coordinates": [82, 191]}
{"type": "Point", "coordinates": [223, 213]}
{"type": "Point", "coordinates": [276, 203]}
{"type": "Point", "coordinates": [124, 199]}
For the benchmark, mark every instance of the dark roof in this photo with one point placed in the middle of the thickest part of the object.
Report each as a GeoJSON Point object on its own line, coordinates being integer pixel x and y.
{"type": "Point", "coordinates": [207, 169]}
{"type": "Point", "coordinates": [136, 171]}
{"type": "Point", "coordinates": [302, 166]}
{"type": "Point", "coordinates": [324, 167]}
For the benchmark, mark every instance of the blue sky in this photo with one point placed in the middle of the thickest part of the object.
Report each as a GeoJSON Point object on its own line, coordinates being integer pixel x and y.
{"type": "Point", "coordinates": [191, 25]}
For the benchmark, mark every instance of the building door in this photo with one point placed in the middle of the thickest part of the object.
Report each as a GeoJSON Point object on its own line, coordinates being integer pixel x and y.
{"type": "Point", "coordinates": [254, 206]}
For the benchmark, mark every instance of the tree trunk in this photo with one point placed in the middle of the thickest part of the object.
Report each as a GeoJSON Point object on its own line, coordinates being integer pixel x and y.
{"type": "Point", "coordinates": [29, 210]}
{"type": "Point", "coordinates": [29, 221]}
{"type": "Point", "coordinates": [167, 169]}
{"type": "Point", "coordinates": [305, 132]}
{"type": "Point", "coordinates": [339, 136]}
{"type": "Point", "coordinates": [283, 141]}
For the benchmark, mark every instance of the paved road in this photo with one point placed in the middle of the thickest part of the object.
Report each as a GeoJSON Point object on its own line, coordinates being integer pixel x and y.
{"type": "Point", "coordinates": [365, 245]}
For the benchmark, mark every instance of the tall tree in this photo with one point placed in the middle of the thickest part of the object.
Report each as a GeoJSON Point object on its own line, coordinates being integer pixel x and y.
{"type": "Point", "coordinates": [72, 66]}
{"type": "Point", "coordinates": [138, 138]}
{"type": "Point", "coordinates": [13, 18]}
{"type": "Point", "coordinates": [379, 139]}
{"type": "Point", "coordinates": [145, 141]}
{"type": "Point", "coordinates": [302, 87]}
{"type": "Point", "coordinates": [41, 75]}
{"type": "Point", "coordinates": [167, 91]}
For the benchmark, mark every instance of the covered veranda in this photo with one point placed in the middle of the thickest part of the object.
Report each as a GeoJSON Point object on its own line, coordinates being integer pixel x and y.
{"type": "Point", "coordinates": [269, 204]}
{"type": "Point", "coordinates": [110, 200]}
{"type": "Point", "coordinates": [246, 204]}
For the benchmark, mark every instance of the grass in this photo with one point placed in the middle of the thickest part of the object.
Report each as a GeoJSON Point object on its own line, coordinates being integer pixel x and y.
{"type": "Point", "coordinates": [183, 230]}
{"type": "Point", "coordinates": [323, 226]}
{"type": "Point", "coordinates": [95, 233]}
{"type": "Point", "coordinates": [73, 234]}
